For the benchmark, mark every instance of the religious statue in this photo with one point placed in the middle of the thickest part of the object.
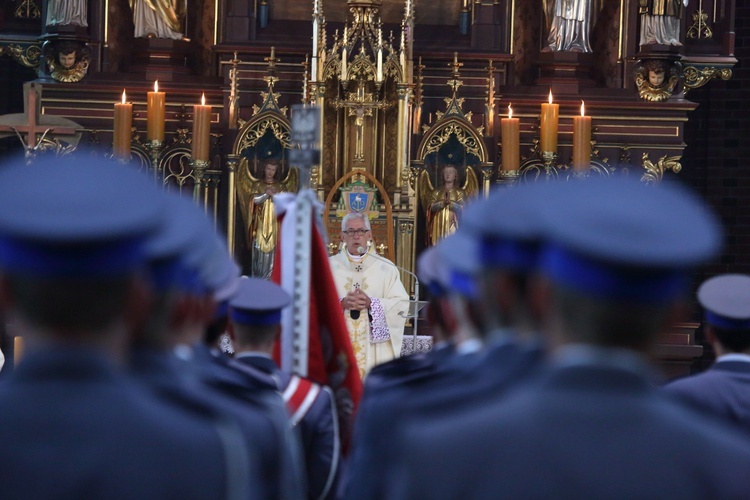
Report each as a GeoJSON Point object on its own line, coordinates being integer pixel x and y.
{"type": "Point", "coordinates": [159, 18]}
{"type": "Point", "coordinates": [569, 23]}
{"type": "Point", "coordinates": [660, 21]}
{"type": "Point", "coordinates": [443, 203]}
{"type": "Point", "coordinates": [257, 207]}
{"type": "Point", "coordinates": [66, 13]}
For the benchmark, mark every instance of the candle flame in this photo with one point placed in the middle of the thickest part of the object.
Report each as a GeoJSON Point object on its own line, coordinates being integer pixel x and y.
{"type": "Point", "coordinates": [582, 109]}
{"type": "Point", "coordinates": [123, 96]}
{"type": "Point", "coordinates": [203, 99]}
{"type": "Point", "coordinates": [510, 111]}
{"type": "Point", "coordinates": [550, 96]}
{"type": "Point", "coordinates": [156, 85]}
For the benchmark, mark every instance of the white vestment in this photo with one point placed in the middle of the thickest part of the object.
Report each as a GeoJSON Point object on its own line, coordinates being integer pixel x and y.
{"type": "Point", "coordinates": [377, 334]}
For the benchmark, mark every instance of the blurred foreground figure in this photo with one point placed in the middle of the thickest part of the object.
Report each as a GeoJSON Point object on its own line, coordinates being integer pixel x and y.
{"type": "Point", "coordinates": [617, 255]}
{"type": "Point", "coordinates": [188, 268]}
{"type": "Point", "coordinates": [478, 356]}
{"type": "Point", "coordinates": [424, 383]}
{"type": "Point", "coordinates": [723, 390]}
{"type": "Point", "coordinates": [255, 316]}
{"type": "Point", "coordinates": [72, 425]}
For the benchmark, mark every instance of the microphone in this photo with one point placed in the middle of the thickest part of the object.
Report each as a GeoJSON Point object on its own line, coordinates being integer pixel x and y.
{"type": "Point", "coordinates": [416, 279]}
{"type": "Point", "coordinates": [354, 313]}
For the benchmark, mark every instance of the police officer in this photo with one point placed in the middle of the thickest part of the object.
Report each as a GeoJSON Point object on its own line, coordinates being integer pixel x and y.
{"type": "Point", "coordinates": [617, 255]}
{"type": "Point", "coordinates": [255, 319]}
{"type": "Point", "coordinates": [252, 440]}
{"type": "Point", "coordinates": [723, 390]}
{"type": "Point", "coordinates": [72, 424]}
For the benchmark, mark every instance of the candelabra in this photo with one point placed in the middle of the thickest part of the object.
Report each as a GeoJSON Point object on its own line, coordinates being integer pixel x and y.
{"type": "Point", "coordinates": [155, 150]}
{"type": "Point", "coordinates": [199, 170]}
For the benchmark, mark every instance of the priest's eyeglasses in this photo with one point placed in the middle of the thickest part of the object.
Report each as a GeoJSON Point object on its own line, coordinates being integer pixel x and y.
{"type": "Point", "coordinates": [358, 232]}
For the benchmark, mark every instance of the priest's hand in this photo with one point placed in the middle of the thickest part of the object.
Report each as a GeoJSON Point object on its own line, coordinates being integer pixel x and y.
{"type": "Point", "coordinates": [362, 298]}
{"type": "Point", "coordinates": [356, 300]}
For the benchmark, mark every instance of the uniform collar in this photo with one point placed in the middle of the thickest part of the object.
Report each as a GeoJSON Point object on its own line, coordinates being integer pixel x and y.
{"type": "Point", "coordinates": [734, 356]}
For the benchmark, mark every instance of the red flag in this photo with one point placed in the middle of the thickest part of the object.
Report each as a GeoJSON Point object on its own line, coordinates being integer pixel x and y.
{"type": "Point", "coordinates": [331, 359]}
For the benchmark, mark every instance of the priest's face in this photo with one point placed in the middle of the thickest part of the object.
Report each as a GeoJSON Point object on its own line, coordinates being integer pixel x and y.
{"type": "Point", "coordinates": [356, 236]}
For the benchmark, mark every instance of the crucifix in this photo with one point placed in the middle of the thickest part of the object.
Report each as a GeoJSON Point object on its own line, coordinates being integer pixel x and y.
{"type": "Point", "coordinates": [31, 123]}
{"type": "Point", "coordinates": [360, 105]}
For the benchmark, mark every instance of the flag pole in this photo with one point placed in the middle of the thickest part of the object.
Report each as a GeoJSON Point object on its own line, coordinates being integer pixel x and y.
{"type": "Point", "coordinates": [305, 139]}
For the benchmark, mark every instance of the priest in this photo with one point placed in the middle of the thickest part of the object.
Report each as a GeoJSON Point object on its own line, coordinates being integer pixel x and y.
{"type": "Point", "coordinates": [373, 298]}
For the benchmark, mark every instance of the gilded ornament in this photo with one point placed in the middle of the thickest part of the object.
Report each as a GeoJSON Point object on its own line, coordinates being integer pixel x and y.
{"type": "Point", "coordinates": [699, 28]}
{"type": "Point", "coordinates": [655, 171]}
{"type": "Point", "coordinates": [28, 55]}
{"type": "Point", "coordinates": [695, 77]}
{"type": "Point", "coordinates": [28, 10]}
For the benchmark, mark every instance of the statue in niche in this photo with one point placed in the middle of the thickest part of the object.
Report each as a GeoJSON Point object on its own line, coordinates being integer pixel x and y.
{"type": "Point", "coordinates": [569, 23]}
{"type": "Point", "coordinates": [443, 203]}
{"type": "Point", "coordinates": [159, 18]}
{"type": "Point", "coordinates": [255, 193]}
{"type": "Point", "coordinates": [660, 21]}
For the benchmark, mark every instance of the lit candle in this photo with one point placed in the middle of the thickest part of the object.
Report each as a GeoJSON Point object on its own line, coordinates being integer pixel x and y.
{"type": "Point", "coordinates": [379, 75]}
{"type": "Point", "coordinates": [304, 82]}
{"type": "Point", "coordinates": [201, 130]}
{"type": "Point", "coordinates": [17, 350]}
{"type": "Point", "coordinates": [581, 141]}
{"type": "Point", "coordinates": [122, 128]}
{"type": "Point", "coordinates": [548, 135]}
{"type": "Point", "coordinates": [155, 114]}
{"type": "Point", "coordinates": [343, 59]}
{"type": "Point", "coordinates": [402, 55]}
{"type": "Point", "coordinates": [510, 137]}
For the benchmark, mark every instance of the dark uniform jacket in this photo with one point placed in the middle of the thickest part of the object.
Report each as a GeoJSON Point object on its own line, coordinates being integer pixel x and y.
{"type": "Point", "coordinates": [72, 426]}
{"type": "Point", "coordinates": [722, 391]}
{"type": "Point", "coordinates": [579, 431]}
{"type": "Point", "coordinates": [435, 387]}
{"type": "Point", "coordinates": [313, 412]}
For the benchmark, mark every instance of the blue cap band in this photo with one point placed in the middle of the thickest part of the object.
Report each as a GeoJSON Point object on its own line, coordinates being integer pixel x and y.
{"type": "Point", "coordinates": [602, 279]}
{"type": "Point", "coordinates": [724, 322]}
{"type": "Point", "coordinates": [81, 260]}
{"type": "Point", "coordinates": [245, 317]}
{"type": "Point", "coordinates": [463, 284]}
{"type": "Point", "coordinates": [508, 254]}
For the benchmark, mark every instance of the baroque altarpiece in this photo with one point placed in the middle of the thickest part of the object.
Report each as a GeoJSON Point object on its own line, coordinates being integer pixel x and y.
{"type": "Point", "coordinates": [413, 98]}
